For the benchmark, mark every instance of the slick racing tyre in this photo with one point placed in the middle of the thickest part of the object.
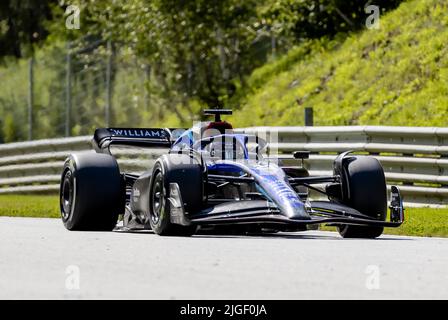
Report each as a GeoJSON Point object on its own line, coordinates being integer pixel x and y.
{"type": "Point", "coordinates": [92, 192]}
{"type": "Point", "coordinates": [366, 187]}
{"type": "Point", "coordinates": [180, 169]}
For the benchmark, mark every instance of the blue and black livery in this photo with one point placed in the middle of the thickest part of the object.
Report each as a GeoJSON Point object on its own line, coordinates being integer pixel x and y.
{"type": "Point", "coordinates": [213, 179]}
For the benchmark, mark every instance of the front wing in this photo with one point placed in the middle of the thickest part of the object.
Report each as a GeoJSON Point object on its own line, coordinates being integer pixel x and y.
{"type": "Point", "coordinates": [264, 212]}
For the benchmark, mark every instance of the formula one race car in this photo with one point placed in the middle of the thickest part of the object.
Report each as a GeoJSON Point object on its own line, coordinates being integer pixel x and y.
{"type": "Point", "coordinates": [212, 179]}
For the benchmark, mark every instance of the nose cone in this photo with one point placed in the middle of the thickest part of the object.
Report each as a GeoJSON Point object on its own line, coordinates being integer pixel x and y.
{"type": "Point", "coordinates": [272, 180]}
{"type": "Point", "coordinates": [294, 209]}
{"type": "Point", "coordinates": [286, 199]}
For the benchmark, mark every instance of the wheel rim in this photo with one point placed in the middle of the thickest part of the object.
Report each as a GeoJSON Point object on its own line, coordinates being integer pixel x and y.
{"type": "Point", "coordinates": [158, 200]}
{"type": "Point", "coordinates": [67, 195]}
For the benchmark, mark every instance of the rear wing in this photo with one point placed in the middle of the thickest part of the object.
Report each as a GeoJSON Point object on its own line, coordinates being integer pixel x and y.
{"type": "Point", "coordinates": [143, 137]}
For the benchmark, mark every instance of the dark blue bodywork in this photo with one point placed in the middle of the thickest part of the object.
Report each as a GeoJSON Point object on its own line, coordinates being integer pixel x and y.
{"type": "Point", "coordinates": [238, 159]}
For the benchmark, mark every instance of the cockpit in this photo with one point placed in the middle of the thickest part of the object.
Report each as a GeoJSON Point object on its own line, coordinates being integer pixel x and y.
{"type": "Point", "coordinates": [217, 140]}
{"type": "Point", "coordinates": [231, 147]}
{"type": "Point", "coordinates": [224, 147]}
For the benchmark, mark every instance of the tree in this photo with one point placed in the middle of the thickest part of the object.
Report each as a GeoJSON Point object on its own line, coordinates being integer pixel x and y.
{"type": "Point", "coordinates": [317, 18]}
{"type": "Point", "coordinates": [22, 24]}
{"type": "Point", "coordinates": [196, 49]}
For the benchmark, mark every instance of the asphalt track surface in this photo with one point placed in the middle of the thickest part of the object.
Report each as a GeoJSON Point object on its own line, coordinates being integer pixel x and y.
{"type": "Point", "coordinates": [39, 259]}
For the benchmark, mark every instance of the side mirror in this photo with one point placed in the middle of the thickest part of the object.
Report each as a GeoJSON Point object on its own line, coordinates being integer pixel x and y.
{"type": "Point", "coordinates": [301, 155]}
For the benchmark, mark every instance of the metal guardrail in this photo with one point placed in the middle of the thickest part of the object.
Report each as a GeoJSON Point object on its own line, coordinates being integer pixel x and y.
{"type": "Point", "coordinates": [416, 158]}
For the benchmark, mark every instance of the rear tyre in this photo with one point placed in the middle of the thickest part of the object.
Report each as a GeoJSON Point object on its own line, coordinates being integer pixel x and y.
{"type": "Point", "coordinates": [91, 192]}
{"type": "Point", "coordinates": [366, 192]}
{"type": "Point", "coordinates": [178, 169]}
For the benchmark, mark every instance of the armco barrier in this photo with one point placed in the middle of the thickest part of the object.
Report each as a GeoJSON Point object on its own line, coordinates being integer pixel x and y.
{"type": "Point", "coordinates": [416, 158]}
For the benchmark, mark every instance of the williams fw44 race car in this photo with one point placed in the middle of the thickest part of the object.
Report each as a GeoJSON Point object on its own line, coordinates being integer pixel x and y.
{"type": "Point", "coordinates": [212, 179]}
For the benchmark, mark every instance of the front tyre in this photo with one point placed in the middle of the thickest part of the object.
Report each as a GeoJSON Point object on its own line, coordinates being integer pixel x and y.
{"type": "Point", "coordinates": [174, 169]}
{"type": "Point", "coordinates": [91, 193]}
{"type": "Point", "coordinates": [366, 192]}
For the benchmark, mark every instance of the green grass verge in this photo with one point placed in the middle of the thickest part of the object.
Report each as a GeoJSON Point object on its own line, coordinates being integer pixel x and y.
{"type": "Point", "coordinates": [38, 206]}
{"type": "Point", "coordinates": [425, 222]}
{"type": "Point", "coordinates": [422, 222]}
{"type": "Point", "coordinates": [395, 75]}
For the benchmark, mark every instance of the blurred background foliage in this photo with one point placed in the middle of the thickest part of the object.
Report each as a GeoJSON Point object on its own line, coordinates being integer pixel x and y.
{"type": "Point", "coordinates": [266, 59]}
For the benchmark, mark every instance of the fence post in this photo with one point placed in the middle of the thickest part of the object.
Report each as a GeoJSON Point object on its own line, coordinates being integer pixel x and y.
{"type": "Point", "coordinates": [108, 83]}
{"type": "Point", "coordinates": [30, 98]}
{"type": "Point", "coordinates": [309, 121]}
{"type": "Point", "coordinates": [273, 43]}
{"type": "Point", "coordinates": [68, 84]}
{"type": "Point", "coordinates": [147, 97]}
